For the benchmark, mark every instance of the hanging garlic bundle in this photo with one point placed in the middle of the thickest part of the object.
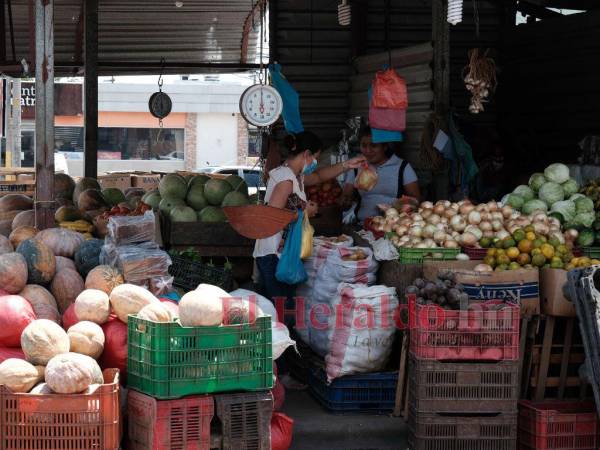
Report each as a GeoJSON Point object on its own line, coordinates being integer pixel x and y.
{"type": "Point", "coordinates": [480, 78]}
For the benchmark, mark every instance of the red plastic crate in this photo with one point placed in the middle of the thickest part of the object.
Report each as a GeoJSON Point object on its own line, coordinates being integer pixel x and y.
{"type": "Point", "coordinates": [475, 253]}
{"type": "Point", "coordinates": [487, 331]}
{"type": "Point", "coordinates": [558, 425]}
{"type": "Point", "coordinates": [169, 424]}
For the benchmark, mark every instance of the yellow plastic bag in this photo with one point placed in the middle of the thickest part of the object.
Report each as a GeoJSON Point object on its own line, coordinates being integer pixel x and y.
{"type": "Point", "coordinates": [307, 238]}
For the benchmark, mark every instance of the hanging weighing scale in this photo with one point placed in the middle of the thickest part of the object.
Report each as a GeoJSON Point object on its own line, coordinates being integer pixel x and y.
{"type": "Point", "coordinates": [261, 105]}
{"type": "Point", "coordinates": [160, 103]}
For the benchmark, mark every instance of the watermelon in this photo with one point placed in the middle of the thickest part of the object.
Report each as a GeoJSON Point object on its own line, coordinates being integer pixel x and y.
{"type": "Point", "coordinates": [167, 203]}
{"type": "Point", "coordinates": [113, 196]}
{"type": "Point", "coordinates": [88, 256]}
{"type": "Point", "coordinates": [195, 197]}
{"type": "Point", "coordinates": [235, 198]}
{"type": "Point", "coordinates": [152, 199]}
{"type": "Point", "coordinates": [237, 183]}
{"type": "Point", "coordinates": [172, 185]}
{"type": "Point", "coordinates": [182, 214]}
{"type": "Point", "coordinates": [84, 184]}
{"type": "Point", "coordinates": [198, 179]}
{"type": "Point", "coordinates": [215, 191]}
{"type": "Point", "coordinates": [212, 214]}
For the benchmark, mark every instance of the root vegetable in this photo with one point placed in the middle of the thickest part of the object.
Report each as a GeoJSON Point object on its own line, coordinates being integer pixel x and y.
{"type": "Point", "coordinates": [474, 218]}
{"type": "Point", "coordinates": [507, 211]}
{"type": "Point", "coordinates": [469, 239]}
{"type": "Point", "coordinates": [475, 231]}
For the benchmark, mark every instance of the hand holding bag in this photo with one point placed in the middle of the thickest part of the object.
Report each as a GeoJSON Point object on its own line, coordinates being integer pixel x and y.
{"type": "Point", "coordinates": [290, 269]}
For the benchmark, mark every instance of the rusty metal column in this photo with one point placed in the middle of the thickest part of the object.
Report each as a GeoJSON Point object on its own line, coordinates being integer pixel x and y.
{"type": "Point", "coordinates": [441, 57]}
{"type": "Point", "coordinates": [90, 83]}
{"type": "Point", "coordinates": [44, 114]}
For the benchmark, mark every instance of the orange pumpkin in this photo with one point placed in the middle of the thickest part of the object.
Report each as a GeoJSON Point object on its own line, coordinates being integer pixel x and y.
{"type": "Point", "coordinates": [13, 272]}
{"type": "Point", "coordinates": [13, 202]}
{"type": "Point", "coordinates": [24, 218]}
{"type": "Point", "coordinates": [66, 286]}
{"type": "Point", "coordinates": [61, 241]}
{"type": "Point", "coordinates": [104, 278]}
{"type": "Point", "coordinates": [18, 235]}
{"type": "Point", "coordinates": [41, 263]}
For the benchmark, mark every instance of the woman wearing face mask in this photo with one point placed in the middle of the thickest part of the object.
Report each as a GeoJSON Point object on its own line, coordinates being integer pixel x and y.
{"type": "Point", "coordinates": [395, 178]}
{"type": "Point", "coordinates": [285, 189]}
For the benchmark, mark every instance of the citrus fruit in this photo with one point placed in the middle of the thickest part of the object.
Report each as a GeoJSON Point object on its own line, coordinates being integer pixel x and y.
{"type": "Point", "coordinates": [508, 243]}
{"type": "Point", "coordinates": [512, 253]}
{"type": "Point", "coordinates": [530, 235]}
{"type": "Point", "coordinates": [524, 259]}
{"type": "Point", "coordinates": [538, 260]}
{"type": "Point", "coordinates": [519, 235]}
{"type": "Point", "coordinates": [485, 242]}
{"type": "Point", "coordinates": [537, 243]}
{"type": "Point", "coordinates": [529, 229]}
{"type": "Point", "coordinates": [503, 260]}
{"type": "Point", "coordinates": [491, 252]}
{"type": "Point", "coordinates": [556, 263]}
{"type": "Point", "coordinates": [547, 251]}
{"type": "Point", "coordinates": [514, 266]}
{"type": "Point", "coordinates": [569, 266]}
{"type": "Point", "coordinates": [490, 261]}
{"type": "Point", "coordinates": [554, 242]}
{"type": "Point", "coordinates": [525, 246]}
{"type": "Point", "coordinates": [562, 249]}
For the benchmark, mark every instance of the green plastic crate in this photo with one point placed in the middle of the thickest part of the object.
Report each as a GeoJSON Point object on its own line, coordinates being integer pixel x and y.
{"type": "Point", "coordinates": [166, 360]}
{"type": "Point", "coordinates": [591, 252]}
{"type": "Point", "coordinates": [417, 255]}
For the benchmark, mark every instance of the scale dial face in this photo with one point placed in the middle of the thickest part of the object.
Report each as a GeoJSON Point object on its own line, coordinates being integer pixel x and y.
{"type": "Point", "coordinates": [261, 105]}
{"type": "Point", "coordinates": [160, 105]}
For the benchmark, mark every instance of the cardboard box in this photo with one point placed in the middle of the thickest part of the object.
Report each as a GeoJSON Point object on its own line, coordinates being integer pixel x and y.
{"type": "Point", "coordinates": [115, 180]}
{"type": "Point", "coordinates": [520, 287]}
{"type": "Point", "coordinates": [554, 302]}
{"type": "Point", "coordinates": [147, 181]}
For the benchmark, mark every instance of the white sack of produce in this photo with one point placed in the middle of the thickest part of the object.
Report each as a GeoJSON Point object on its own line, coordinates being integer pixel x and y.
{"type": "Point", "coordinates": [363, 342]}
{"type": "Point", "coordinates": [263, 303]}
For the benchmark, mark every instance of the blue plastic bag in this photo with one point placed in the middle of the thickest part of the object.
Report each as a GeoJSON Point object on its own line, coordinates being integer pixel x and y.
{"type": "Point", "coordinates": [290, 269]}
{"type": "Point", "coordinates": [291, 100]}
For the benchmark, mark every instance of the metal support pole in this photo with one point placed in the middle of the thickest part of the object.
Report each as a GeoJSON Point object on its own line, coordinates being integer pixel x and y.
{"type": "Point", "coordinates": [13, 121]}
{"type": "Point", "coordinates": [441, 58]}
{"type": "Point", "coordinates": [44, 114]}
{"type": "Point", "coordinates": [90, 106]}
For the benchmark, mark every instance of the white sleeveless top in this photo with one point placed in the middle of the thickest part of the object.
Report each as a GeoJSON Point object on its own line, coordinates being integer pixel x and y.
{"type": "Point", "coordinates": [270, 245]}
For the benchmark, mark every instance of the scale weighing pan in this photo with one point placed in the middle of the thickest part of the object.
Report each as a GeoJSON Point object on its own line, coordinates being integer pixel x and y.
{"type": "Point", "coordinates": [258, 221]}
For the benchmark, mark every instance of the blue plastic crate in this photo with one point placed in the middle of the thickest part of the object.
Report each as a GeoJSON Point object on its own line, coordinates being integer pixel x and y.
{"type": "Point", "coordinates": [373, 393]}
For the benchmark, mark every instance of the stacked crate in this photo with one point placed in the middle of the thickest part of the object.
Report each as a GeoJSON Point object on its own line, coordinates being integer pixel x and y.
{"type": "Point", "coordinates": [199, 387]}
{"type": "Point", "coordinates": [464, 377]}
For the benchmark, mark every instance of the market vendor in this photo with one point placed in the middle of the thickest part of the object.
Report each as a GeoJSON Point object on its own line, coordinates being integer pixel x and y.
{"type": "Point", "coordinates": [395, 178]}
{"type": "Point", "coordinates": [285, 189]}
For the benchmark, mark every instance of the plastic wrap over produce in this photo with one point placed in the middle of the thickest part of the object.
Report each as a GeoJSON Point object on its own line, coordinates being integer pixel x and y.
{"type": "Point", "coordinates": [123, 230]}
{"type": "Point", "coordinates": [137, 262]}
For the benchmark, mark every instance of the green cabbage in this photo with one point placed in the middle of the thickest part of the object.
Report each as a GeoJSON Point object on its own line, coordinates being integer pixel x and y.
{"type": "Point", "coordinates": [534, 205]}
{"type": "Point", "coordinates": [570, 187]}
{"type": "Point", "coordinates": [550, 193]}
{"type": "Point", "coordinates": [516, 201]}
{"type": "Point", "coordinates": [536, 181]}
{"type": "Point", "coordinates": [584, 205]}
{"type": "Point", "coordinates": [525, 192]}
{"type": "Point", "coordinates": [575, 197]}
{"type": "Point", "coordinates": [585, 219]}
{"type": "Point", "coordinates": [566, 208]}
{"type": "Point", "coordinates": [557, 172]}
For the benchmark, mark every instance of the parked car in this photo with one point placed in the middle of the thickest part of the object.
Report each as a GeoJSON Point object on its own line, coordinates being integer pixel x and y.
{"type": "Point", "coordinates": [252, 175]}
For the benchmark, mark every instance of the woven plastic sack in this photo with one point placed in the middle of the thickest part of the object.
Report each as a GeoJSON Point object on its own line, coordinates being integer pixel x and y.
{"type": "Point", "coordinates": [389, 90]}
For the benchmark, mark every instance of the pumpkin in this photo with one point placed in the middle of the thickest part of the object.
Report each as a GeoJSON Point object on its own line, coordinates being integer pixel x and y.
{"type": "Point", "coordinates": [69, 318]}
{"type": "Point", "coordinates": [202, 307]}
{"type": "Point", "coordinates": [41, 389]}
{"type": "Point", "coordinates": [128, 299]}
{"type": "Point", "coordinates": [42, 301]}
{"type": "Point", "coordinates": [82, 185]}
{"type": "Point", "coordinates": [5, 245]}
{"type": "Point", "coordinates": [18, 375]}
{"type": "Point", "coordinates": [15, 314]}
{"type": "Point", "coordinates": [5, 227]}
{"type": "Point", "coordinates": [155, 312]}
{"type": "Point", "coordinates": [66, 286]}
{"type": "Point", "coordinates": [10, 215]}
{"type": "Point", "coordinates": [64, 186]}
{"type": "Point", "coordinates": [86, 338]}
{"type": "Point", "coordinates": [67, 214]}
{"type": "Point", "coordinates": [41, 264]}
{"type": "Point", "coordinates": [91, 199]}
{"type": "Point", "coordinates": [71, 373]}
{"type": "Point", "coordinates": [24, 219]}
{"type": "Point", "coordinates": [104, 278]}
{"type": "Point", "coordinates": [18, 235]}
{"type": "Point", "coordinates": [88, 256]}
{"type": "Point", "coordinates": [12, 202]}
{"type": "Point", "coordinates": [171, 306]}
{"type": "Point", "coordinates": [43, 339]}
{"type": "Point", "coordinates": [61, 241]}
{"type": "Point", "coordinates": [64, 263]}
{"type": "Point", "coordinates": [13, 272]}
{"type": "Point", "coordinates": [92, 305]}
{"type": "Point", "coordinates": [63, 202]}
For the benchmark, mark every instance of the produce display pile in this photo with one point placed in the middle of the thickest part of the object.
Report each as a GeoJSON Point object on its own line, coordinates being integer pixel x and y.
{"type": "Point", "coordinates": [325, 194]}
{"type": "Point", "coordinates": [444, 291]}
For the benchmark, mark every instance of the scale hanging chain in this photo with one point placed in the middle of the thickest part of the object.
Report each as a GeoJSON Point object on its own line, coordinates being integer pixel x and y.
{"type": "Point", "coordinates": [261, 79]}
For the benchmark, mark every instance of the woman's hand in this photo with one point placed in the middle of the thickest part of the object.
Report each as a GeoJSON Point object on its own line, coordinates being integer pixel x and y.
{"type": "Point", "coordinates": [355, 163]}
{"type": "Point", "coordinates": [311, 209]}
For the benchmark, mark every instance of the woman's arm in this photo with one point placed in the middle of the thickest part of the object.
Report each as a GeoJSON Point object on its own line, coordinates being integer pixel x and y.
{"type": "Point", "coordinates": [413, 190]}
{"type": "Point", "coordinates": [280, 194]}
{"type": "Point", "coordinates": [327, 173]}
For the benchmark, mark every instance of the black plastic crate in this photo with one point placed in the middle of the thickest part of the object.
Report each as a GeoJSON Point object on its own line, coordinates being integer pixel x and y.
{"type": "Point", "coordinates": [189, 274]}
{"type": "Point", "coordinates": [245, 420]}
{"type": "Point", "coordinates": [429, 431]}
{"type": "Point", "coordinates": [373, 393]}
{"type": "Point", "coordinates": [473, 387]}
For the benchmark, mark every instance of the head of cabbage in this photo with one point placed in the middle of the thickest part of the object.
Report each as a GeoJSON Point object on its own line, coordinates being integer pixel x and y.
{"type": "Point", "coordinates": [566, 208]}
{"type": "Point", "coordinates": [584, 205]}
{"type": "Point", "coordinates": [514, 200]}
{"type": "Point", "coordinates": [570, 187]}
{"type": "Point", "coordinates": [584, 219]}
{"type": "Point", "coordinates": [525, 192]}
{"type": "Point", "coordinates": [557, 172]}
{"type": "Point", "coordinates": [534, 205]}
{"type": "Point", "coordinates": [536, 181]}
{"type": "Point", "coordinates": [550, 193]}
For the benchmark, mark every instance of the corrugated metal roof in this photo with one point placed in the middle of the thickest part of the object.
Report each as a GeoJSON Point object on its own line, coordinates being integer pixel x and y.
{"type": "Point", "coordinates": [137, 34]}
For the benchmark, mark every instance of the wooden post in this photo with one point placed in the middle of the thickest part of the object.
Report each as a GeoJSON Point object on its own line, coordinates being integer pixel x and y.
{"type": "Point", "coordinates": [441, 58]}
{"type": "Point", "coordinates": [90, 107]}
{"type": "Point", "coordinates": [44, 114]}
{"type": "Point", "coordinates": [12, 104]}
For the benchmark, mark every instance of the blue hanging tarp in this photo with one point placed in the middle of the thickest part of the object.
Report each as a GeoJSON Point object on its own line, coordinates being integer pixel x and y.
{"type": "Point", "coordinates": [291, 100]}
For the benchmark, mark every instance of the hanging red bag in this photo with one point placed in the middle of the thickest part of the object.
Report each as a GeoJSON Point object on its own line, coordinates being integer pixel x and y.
{"type": "Point", "coordinates": [387, 119]}
{"type": "Point", "coordinates": [282, 428]}
{"type": "Point", "coordinates": [389, 90]}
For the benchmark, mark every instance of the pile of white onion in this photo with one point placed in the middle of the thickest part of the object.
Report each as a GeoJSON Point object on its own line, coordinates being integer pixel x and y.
{"type": "Point", "coordinates": [453, 225]}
